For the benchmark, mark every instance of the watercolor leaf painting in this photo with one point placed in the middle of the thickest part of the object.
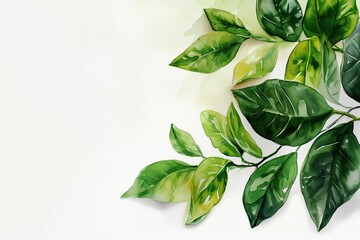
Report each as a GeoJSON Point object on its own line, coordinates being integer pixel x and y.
{"type": "Point", "coordinates": [292, 110]}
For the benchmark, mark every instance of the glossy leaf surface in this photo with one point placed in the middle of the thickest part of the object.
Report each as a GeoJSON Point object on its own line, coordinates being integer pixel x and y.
{"type": "Point", "coordinates": [257, 64]}
{"type": "Point", "coordinates": [329, 85]}
{"type": "Point", "coordinates": [334, 20]}
{"type": "Point", "coordinates": [215, 127]}
{"type": "Point", "coordinates": [304, 63]}
{"type": "Point", "coordinates": [331, 173]}
{"type": "Point", "coordinates": [286, 112]}
{"type": "Point", "coordinates": [268, 188]}
{"type": "Point", "coordinates": [280, 18]}
{"type": "Point", "coordinates": [209, 183]}
{"type": "Point", "coordinates": [224, 21]}
{"type": "Point", "coordinates": [183, 143]}
{"type": "Point", "coordinates": [350, 72]}
{"type": "Point", "coordinates": [164, 181]}
{"type": "Point", "coordinates": [241, 137]}
{"type": "Point", "coordinates": [209, 53]}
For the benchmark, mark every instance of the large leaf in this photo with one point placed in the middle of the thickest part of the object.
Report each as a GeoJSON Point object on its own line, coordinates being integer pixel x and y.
{"type": "Point", "coordinates": [335, 20]}
{"type": "Point", "coordinates": [329, 85]}
{"type": "Point", "coordinates": [256, 65]}
{"type": "Point", "coordinates": [164, 181]}
{"type": "Point", "coordinates": [286, 112]}
{"type": "Point", "coordinates": [350, 71]}
{"type": "Point", "coordinates": [209, 53]}
{"type": "Point", "coordinates": [183, 142]}
{"type": "Point", "coordinates": [331, 173]}
{"type": "Point", "coordinates": [280, 18]}
{"type": "Point", "coordinates": [268, 188]}
{"type": "Point", "coordinates": [209, 183]}
{"type": "Point", "coordinates": [241, 137]}
{"type": "Point", "coordinates": [224, 21]}
{"type": "Point", "coordinates": [215, 127]}
{"type": "Point", "coordinates": [304, 63]}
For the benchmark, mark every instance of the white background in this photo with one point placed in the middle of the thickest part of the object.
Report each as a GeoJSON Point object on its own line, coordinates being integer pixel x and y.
{"type": "Point", "coordinates": [86, 101]}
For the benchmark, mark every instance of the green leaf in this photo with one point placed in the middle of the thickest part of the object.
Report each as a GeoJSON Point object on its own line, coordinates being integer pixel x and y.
{"type": "Point", "coordinates": [334, 20]}
{"type": "Point", "coordinates": [209, 53]}
{"type": "Point", "coordinates": [215, 127]}
{"type": "Point", "coordinates": [164, 181]}
{"type": "Point", "coordinates": [268, 188]}
{"type": "Point", "coordinates": [304, 63]}
{"type": "Point", "coordinates": [224, 21]}
{"type": "Point", "coordinates": [288, 113]}
{"type": "Point", "coordinates": [183, 142]}
{"type": "Point", "coordinates": [256, 65]}
{"type": "Point", "coordinates": [280, 18]}
{"type": "Point", "coordinates": [241, 137]}
{"type": "Point", "coordinates": [329, 85]}
{"type": "Point", "coordinates": [331, 173]}
{"type": "Point", "coordinates": [350, 71]}
{"type": "Point", "coordinates": [209, 183]}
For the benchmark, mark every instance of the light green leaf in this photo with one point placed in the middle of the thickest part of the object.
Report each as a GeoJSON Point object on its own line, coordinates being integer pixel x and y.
{"type": "Point", "coordinates": [280, 18]}
{"type": "Point", "coordinates": [183, 142]}
{"type": "Point", "coordinates": [215, 127]}
{"type": "Point", "coordinates": [333, 20]}
{"type": "Point", "coordinates": [209, 183]}
{"type": "Point", "coordinates": [304, 63]}
{"type": "Point", "coordinates": [330, 175]}
{"type": "Point", "coordinates": [224, 21]}
{"type": "Point", "coordinates": [164, 181]}
{"type": "Point", "coordinates": [209, 53]}
{"type": "Point", "coordinates": [242, 138]}
{"type": "Point", "coordinates": [286, 112]}
{"type": "Point", "coordinates": [329, 85]}
{"type": "Point", "coordinates": [350, 71]}
{"type": "Point", "coordinates": [269, 187]}
{"type": "Point", "coordinates": [256, 65]}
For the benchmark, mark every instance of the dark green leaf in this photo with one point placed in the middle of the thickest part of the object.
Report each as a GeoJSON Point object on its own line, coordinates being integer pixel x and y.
{"type": "Point", "coordinates": [331, 173]}
{"type": "Point", "coordinates": [288, 113]}
{"type": "Point", "coordinates": [164, 181]}
{"type": "Point", "coordinates": [215, 127]}
{"type": "Point", "coordinates": [329, 85]}
{"type": "Point", "coordinates": [350, 70]}
{"type": "Point", "coordinates": [268, 188]}
{"type": "Point", "coordinates": [224, 21]}
{"type": "Point", "coordinates": [242, 138]}
{"type": "Point", "coordinates": [183, 142]}
{"type": "Point", "coordinates": [256, 65]}
{"type": "Point", "coordinates": [280, 18]}
{"type": "Point", "coordinates": [304, 63]}
{"type": "Point", "coordinates": [208, 187]}
{"type": "Point", "coordinates": [209, 53]}
{"type": "Point", "coordinates": [334, 20]}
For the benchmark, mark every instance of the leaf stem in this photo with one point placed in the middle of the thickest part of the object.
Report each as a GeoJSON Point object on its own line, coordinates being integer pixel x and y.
{"type": "Point", "coordinates": [348, 114]}
{"type": "Point", "coordinates": [338, 49]}
{"type": "Point", "coordinates": [265, 39]}
{"type": "Point", "coordinates": [268, 156]}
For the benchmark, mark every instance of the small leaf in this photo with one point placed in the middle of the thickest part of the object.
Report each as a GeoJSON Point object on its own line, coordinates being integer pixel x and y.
{"type": "Point", "coordinates": [333, 20]}
{"type": "Point", "coordinates": [215, 127]}
{"type": "Point", "coordinates": [350, 71]}
{"type": "Point", "coordinates": [268, 188]}
{"type": "Point", "coordinates": [304, 63]}
{"type": "Point", "coordinates": [280, 18]}
{"type": "Point", "coordinates": [331, 173]}
{"type": "Point", "coordinates": [256, 65]}
{"type": "Point", "coordinates": [241, 137]}
{"type": "Point", "coordinates": [164, 181]}
{"type": "Point", "coordinates": [209, 183]}
{"type": "Point", "coordinates": [183, 142]}
{"type": "Point", "coordinates": [329, 85]}
{"type": "Point", "coordinates": [224, 21]}
{"type": "Point", "coordinates": [288, 113]}
{"type": "Point", "coordinates": [209, 53]}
